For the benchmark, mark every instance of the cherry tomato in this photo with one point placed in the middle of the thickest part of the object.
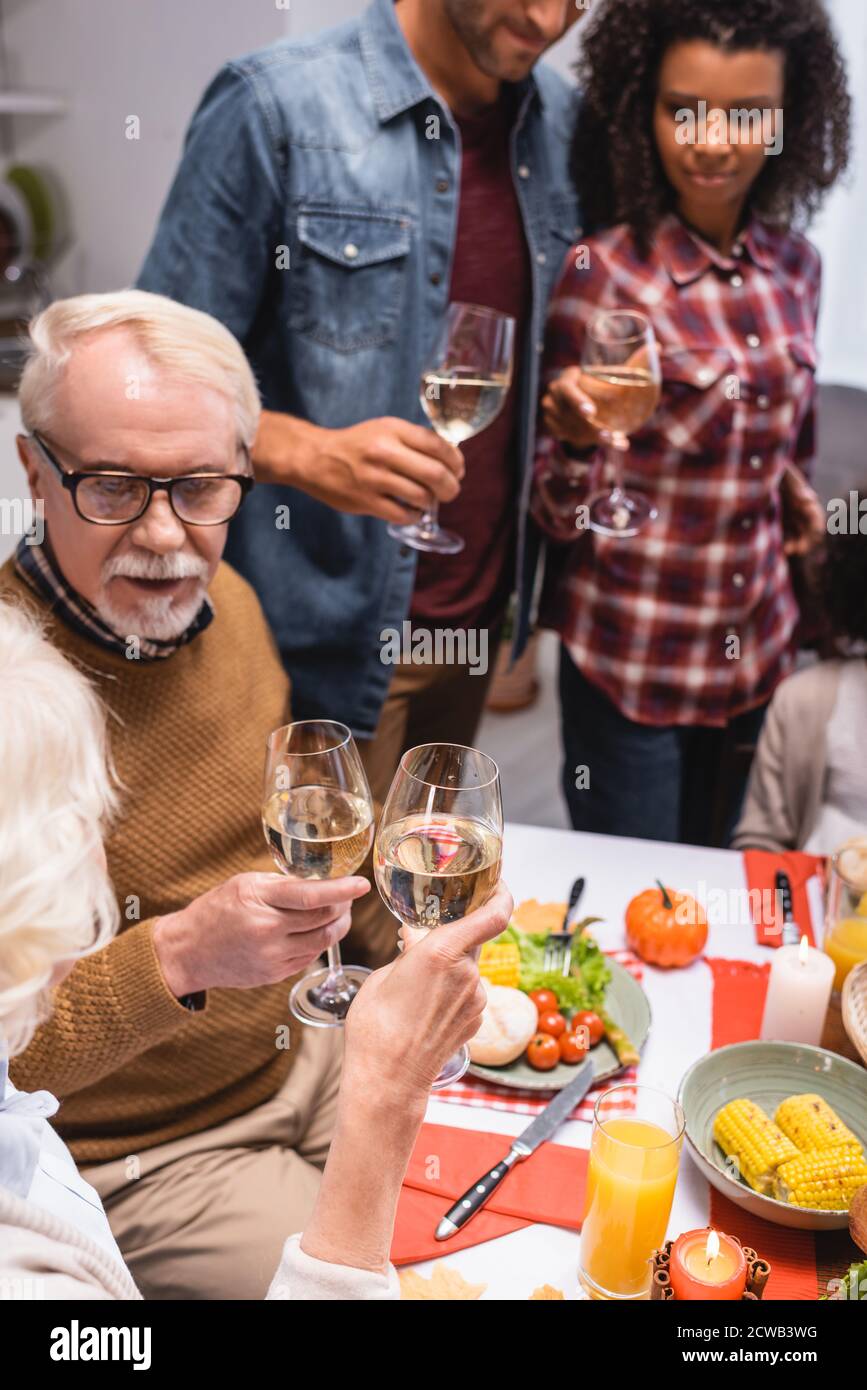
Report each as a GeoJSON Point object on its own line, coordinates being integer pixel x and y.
{"type": "Point", "coordinates": [553, 1022]}
{"type": "Point", "coordinates": [543, 1052]}
{"type": "Point", "coordinates": [544, 999]}
{"type": "Point", "coordinates": [573, 1047]}
{"type": "Point", "coordinates": [592, 1022]}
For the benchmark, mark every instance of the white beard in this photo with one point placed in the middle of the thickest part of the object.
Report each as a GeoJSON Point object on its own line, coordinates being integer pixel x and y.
{"type": "Point", "coordinates": [161, 618]}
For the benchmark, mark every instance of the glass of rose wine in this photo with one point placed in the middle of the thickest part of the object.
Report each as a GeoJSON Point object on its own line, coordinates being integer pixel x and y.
{"type": "Point", "coordinates": [462, 392]}
{"type": "Point", "coordinates": [621, 372]}
{"type": "Point", "coordinates": [439, 845]}
{"type": "Point", "coordinates": [317, 815]}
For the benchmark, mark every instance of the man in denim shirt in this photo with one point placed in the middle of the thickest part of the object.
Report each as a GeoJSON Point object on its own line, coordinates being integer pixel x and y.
{"type": "Point", "coordinates": [334, 195]}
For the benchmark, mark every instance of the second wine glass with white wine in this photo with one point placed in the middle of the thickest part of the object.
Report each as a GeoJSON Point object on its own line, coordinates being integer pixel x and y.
{"type": "Point", "coordinates": [317, 815]}
{"type": "Point", "coordinates": [463, 390]}
{"type": "Point", "coordinates": [439, 845]}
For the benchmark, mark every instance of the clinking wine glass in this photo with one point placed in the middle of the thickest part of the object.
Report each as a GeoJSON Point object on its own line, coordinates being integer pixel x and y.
{"type": "Point", "coordinates": [462, 392]}
{"type": "Point", "coordinates": [317, 814]}
{"type": "Point", "coordinates": [622, 376]}
{"type": "Point", "coordinates": [439, 845]}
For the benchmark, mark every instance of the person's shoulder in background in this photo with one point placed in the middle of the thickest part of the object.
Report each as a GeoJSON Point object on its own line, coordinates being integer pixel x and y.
{"type": "Point", "coordinates": [788, 772]}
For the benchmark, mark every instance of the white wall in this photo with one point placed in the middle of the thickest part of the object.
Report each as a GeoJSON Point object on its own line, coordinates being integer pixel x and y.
{"type": "Point", "coordinates": [114, 59]}
{"type": "Point", "coordinates": [842, 225]}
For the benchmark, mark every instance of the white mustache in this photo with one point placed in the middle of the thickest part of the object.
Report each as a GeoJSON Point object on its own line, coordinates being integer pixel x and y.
{"type": "Point", "coordinates": [147, 565]}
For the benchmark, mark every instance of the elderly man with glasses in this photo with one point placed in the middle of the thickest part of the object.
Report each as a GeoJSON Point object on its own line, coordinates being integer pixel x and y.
{"type": "Point", "coordinates": [188, 1097]}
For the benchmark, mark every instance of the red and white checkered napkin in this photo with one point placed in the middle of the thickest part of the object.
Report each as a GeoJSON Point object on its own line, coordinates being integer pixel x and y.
{"type": "Point", "coordinates": [475, 1092]}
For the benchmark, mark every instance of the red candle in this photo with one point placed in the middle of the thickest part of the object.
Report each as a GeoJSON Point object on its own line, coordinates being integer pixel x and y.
{"type": "Point", "coordinates": [707, 1265]}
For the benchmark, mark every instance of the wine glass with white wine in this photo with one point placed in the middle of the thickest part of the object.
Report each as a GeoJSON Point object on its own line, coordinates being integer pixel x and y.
{"type": "Point", "coordinates": [462, 392]}
{"type": "Point", "coordinates": [621, 374]}
{"type": "Point", "coordinates": [317, 814]}
{"type": "Point", "coordinates": [439, 845]}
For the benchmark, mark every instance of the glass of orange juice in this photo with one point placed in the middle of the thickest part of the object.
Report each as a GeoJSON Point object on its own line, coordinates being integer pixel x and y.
{"type": "Point", "coordinates": [634, 1157]}
{"type": "Point", "coordinates": [846, 913]}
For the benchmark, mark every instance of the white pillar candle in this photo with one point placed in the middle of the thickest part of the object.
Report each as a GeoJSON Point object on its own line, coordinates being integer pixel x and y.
{"type": "Point", "coordinates": [799, 991]}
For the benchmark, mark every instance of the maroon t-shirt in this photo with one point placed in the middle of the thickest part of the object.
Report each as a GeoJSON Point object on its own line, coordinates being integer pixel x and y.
{"type": "Point", "coordinates": [490, 267]}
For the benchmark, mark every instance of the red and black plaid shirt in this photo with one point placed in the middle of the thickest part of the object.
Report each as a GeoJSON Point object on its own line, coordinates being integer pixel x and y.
{"type": "Point", "coordinates": [651, 620]}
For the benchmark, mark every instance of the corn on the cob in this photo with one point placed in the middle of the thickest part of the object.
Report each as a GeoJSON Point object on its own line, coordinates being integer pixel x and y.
{"type": "Point", "coordinates": [826, 1179]}
{"type": "Point", "coordinates": [747, 1134]}
{"type": "Point", "coordinates": [810, 1123]}
{"type": "Point", "coordinates": [500, 963]}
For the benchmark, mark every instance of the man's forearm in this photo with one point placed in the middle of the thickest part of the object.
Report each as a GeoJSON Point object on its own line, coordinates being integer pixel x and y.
{"type": "Point", "coordinates": [353, 1220]}
{"type": "Point", "coordinates": [285, 449]}
{"type": "Point", "coordinates": [112, 1007]}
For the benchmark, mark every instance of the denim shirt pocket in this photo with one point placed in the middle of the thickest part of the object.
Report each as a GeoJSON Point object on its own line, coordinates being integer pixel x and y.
{"type": "Point", "coordinates": [349, 275]}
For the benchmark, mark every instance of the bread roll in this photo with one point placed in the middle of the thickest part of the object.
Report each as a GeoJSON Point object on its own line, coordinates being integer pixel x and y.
{"type": "Point", "coordinates": [508, 1024]}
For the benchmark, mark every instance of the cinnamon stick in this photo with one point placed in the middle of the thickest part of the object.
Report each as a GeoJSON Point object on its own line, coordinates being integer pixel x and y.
{"type": "Point", "coordinates": [759, 1274]}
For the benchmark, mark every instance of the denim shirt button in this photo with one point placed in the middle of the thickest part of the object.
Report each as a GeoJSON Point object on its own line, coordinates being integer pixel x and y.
{"type": "Point", "coordinates": [350, 251]}
{"type": "Point", "coordinates": [541, 259]}
{"type": "Point", "coordinates": [523, 171]}
{"type": "Point", "coordinates": [435, 278]}
{"type": "Point", "coordinates": [442, 185]}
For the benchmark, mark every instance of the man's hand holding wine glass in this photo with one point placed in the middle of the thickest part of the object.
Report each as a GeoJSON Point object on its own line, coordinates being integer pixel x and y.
{"type": "Point", "coordinates": [254, 929]}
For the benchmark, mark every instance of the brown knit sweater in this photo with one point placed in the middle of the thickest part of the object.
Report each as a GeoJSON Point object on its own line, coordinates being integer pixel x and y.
{"type": "Point", "coordinates": [131, 1065]}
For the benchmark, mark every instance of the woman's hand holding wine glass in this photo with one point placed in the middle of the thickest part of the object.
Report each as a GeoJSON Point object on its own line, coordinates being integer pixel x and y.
{"type": "Point", "coordinates": [417, 1012]}
{"type": "Point", "coordinates": [613, 393]}
{"type": "Point", "coordinates": [439, 845]}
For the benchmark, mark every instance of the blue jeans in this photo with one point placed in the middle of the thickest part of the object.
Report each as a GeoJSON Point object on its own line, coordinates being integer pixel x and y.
{"type": "Point", "coordinates": [650, 782]}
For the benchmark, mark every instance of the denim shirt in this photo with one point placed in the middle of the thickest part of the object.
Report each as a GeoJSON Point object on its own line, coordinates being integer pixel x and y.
{"type": "Point", "coordinates": [314, 213]}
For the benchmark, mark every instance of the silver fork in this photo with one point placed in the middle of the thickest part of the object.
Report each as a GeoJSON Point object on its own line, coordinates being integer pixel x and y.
{"type": "Point", "coordinates": [558, 955]}
{"type": "Point", "coordinates": [558, 947]}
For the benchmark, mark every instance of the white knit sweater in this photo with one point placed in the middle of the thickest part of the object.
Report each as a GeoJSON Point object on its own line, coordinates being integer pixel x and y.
{"type": "Point", "coordinates": [55, 1240]}
{"type": "Point", "coordinates": [44, 1257]}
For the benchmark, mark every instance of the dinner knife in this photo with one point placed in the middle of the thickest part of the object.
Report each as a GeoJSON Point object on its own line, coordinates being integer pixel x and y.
{"type": "Point", "coordinates": [542, 1128]}
{"type": "Point", "coordinates": [791, 930]}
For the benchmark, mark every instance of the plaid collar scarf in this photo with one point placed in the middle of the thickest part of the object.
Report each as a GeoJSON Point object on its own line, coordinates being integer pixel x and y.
{"type": "Point", "coordinates": [38, 568]}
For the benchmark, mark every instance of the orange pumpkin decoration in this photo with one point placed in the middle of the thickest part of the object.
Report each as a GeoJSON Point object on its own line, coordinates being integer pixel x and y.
{"type": "Point", "coordinates": [665, 927]}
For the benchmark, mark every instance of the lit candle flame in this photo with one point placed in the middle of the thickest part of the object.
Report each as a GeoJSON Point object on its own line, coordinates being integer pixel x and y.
{"type": "Point", "coordinates": [803, 950]}
{"type": "Point", "coordinates": [712, 1248]}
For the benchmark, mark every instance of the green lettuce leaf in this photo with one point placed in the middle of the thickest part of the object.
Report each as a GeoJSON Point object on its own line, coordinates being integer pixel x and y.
{"type": "Point", "coordinates": [584, 988]}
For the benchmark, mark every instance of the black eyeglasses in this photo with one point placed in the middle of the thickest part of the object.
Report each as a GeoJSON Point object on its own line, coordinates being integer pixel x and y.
{"type": "Point", "coordinates": [109, 498]}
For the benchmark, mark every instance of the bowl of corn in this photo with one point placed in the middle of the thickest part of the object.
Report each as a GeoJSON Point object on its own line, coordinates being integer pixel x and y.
{"type": "Point", "coordinates": [780, 1129]}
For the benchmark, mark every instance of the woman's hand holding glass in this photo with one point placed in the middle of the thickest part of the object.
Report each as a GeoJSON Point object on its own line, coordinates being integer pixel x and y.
{"type": "Point", "coordinates": [439, 844]}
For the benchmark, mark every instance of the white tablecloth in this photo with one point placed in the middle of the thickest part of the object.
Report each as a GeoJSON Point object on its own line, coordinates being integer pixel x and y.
{"type": "Point", "coordinates": [541, 863]}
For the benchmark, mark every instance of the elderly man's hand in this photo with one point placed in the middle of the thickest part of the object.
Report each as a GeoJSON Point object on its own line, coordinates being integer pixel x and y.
{"type": "Point", "coordinates": [254, 929]}
{"type": "Point", "coordinates": [412, 1015]}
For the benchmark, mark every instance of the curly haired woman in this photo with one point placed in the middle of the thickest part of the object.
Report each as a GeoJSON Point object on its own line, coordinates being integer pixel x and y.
{"type": "Point", "coordinates": [675, 638]}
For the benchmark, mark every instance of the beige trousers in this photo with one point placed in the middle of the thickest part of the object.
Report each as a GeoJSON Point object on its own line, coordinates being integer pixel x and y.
{"type": "Point", "coordinates": [207, 1215]}
{"type": "Point", "coordinates": [425, 704]}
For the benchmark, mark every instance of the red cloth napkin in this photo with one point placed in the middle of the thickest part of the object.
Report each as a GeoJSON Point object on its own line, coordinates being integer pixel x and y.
{"type": "Point", "coordinates": [546, 1187]}
{"type": "Point", "coordinates": [761, 868]}
{"type": "Point", "coordinates": [802, 1261]}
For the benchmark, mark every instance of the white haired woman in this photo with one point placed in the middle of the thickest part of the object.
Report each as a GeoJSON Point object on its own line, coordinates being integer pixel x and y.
{"type": "Point", "coordinates": [56, 904]}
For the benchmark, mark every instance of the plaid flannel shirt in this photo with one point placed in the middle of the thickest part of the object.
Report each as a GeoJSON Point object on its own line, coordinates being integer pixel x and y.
{"type": "Point", "coordinates": [651, 620]}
